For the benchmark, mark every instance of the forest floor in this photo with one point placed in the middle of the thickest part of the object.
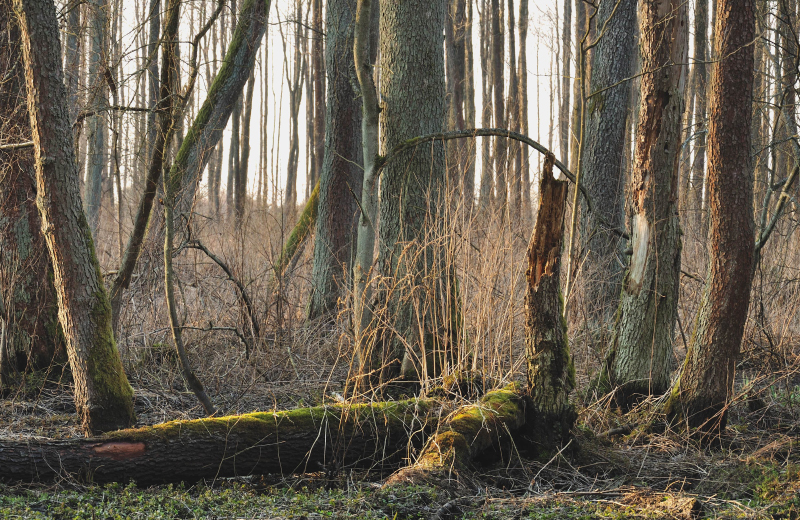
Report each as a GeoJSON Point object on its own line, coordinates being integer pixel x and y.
{"type": "Point", "coordinates": [611, 469]}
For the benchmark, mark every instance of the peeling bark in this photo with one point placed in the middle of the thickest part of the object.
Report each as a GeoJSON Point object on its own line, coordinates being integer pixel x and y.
{"type": "Point", "coordinates": [640, 359]}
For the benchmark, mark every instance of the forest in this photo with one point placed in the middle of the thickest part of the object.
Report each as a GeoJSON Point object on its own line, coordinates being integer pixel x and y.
{"type": "Point", "coordinates": [399, 259]}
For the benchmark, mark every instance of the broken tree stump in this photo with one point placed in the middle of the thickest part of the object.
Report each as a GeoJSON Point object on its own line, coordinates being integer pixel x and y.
{"type": "Point", "coordinates": [551, 373]}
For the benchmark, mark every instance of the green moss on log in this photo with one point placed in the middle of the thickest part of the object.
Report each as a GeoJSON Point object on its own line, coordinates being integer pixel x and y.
{"type": "Point", "coordinates": [466, 434]}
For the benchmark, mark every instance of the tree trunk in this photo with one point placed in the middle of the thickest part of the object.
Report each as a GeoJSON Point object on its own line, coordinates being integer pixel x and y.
{"type": "Point", "coordinates": [318, 63]}
{"type": "Point", "coordinates": [566, 62]}
{"type": "Point", "coordinates": [294, 441]}
{"type": "Point", "coordinates": [469, 108]}
{"type": "Point", "coordinates": [522, 72]}
{"type": "Point", "coordinates": [700, 92]}
{"type": "Point", "coordinates": [551, 373]}
{"type": "Point", "coordinates": [603, 164]}
{"type": "Point", "coordinates": [498, 85]}
{"type": "Point", "coordinates": [487, 183]}
{"type": "Point", "coordinates": [98, 95]}
{"type": "Point", "coordinates": [103, 396]}
{"type": "Point", "coordinates": [466, 435]}
{"type": "Point", "coordinates": [366, 358]}
{"type": "Point", "coordinates": [207, 128]}
{"type": "Point", "coordinates": [701, 394]}
{"type": "Point", "coordinates": [28, 309]}
{"type": "Point", "coordinates": [640, 359]}
{"type": "Point", "coordinates": [341, 176]}
{"type": "Point", "coordinates": [240, 194]}
{"type": "Point", "coordinates": [515, 149]}
{"type": "Point", "coordinates": [410, 190]}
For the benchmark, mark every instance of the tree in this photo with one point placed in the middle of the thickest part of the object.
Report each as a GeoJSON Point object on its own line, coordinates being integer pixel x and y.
{"type": "Point", "coordinates": [341, 176]}
{"type": "Point", "coordinates": [98, 95]}
{"type": "Point", "coordinates": [416, 280]}
{"type": "Point", "coordinates": [639, 361]}
{"type": "Point", "coordinates": [103, 396]}
{"type": "Point", "coordinates": [28, 309]}
{"type": "Point", "coordinates": [551, 373]}
{"type": "Point", "coordinates": [602, 166]}
{"type": "Point", "coordinates": [701, 393]}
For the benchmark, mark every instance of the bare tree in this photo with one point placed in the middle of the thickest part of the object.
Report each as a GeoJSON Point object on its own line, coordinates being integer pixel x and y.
{"type": "Point", "coordinates": [341, 177]}
{"type": "Point", "coordinates": [701, 394]}
{"type": "Point", "coordinates": [103, 396]}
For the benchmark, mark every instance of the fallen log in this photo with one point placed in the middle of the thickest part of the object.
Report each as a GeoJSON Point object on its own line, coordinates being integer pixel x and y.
{"type": "Point", "coordinates": [465, 436]}
{"type": "Point", "coordinates": [305, 439]}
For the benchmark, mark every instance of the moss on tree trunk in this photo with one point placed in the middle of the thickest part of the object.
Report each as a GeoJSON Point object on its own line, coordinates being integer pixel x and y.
{"type": "Point", "coordinates": [305, 439]}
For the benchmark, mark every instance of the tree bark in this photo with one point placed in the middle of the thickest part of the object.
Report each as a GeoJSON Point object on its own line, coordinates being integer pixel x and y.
{"type": "Point", "coordinates": [103, 396]}
{"type": "Point", "coordinates": [341, 176]}
{"type": "Point", "coordinates": [240, 194]}
{"type": "Point", "coordinates": [640, 359]}
{"type": "Point", "coordinates": [411, 190]}
{"type": "Point", "coordinates": [294, 441]}
{"type": "Point", "coordinates": [700, 96]}
{"type": "Point", "coordinates": [28, 308]}
{"type": "Point", "coordinates": [487, 183]}
{"type": "Point", "coordinates": [498, 86]}
{"type": "Point", "coordinates": [551, 373]}
{"type": "Point", "coordinates": [98, 94]}
{"type": "Point", "coordinates": [603, 161]}
{"type": "Point", "coordinates": [366, 357]}
{"type": "Point", "coordinates": [705, 384]}
{"type": "Point", "coordinates": [566, 77]}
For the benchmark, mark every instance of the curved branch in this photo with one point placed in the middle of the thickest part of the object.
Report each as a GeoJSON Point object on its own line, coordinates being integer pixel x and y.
{"type": "Point", "coordinates": [492, 132]}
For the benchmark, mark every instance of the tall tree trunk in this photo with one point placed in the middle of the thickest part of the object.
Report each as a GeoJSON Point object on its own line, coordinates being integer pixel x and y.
{"type": "Point", "coordinates": [412, 54]}
{"type": "Point", "coordinates": [498, 86]}
{"type": "Point", "coordinates": [103, 396]}
{"type": "Point", "coordinates": [244, 162]}
{"type": "Point", "coordinates": [705, 384]}
{"type": "Point", "coordinates": [551, 373]}
{"type": "Point", "coordinates": [98, 94]}
{"type": "Point", "coordinates": [515, 149]}
{"type": "Point", "coordinates": [28, 309]}
{"type": "Point", "coordinates": [469, 106]}
{"type": "Point", "coordinates": [700, 89]}
{"type": "Point", "coordinates": [522, 73]}
{"type": "Point", "coordinates": [566, 76]}
{"type": "Point", "coordinates": [72, 60]}
{"type": "Point", "coordinates": [639, 362]}
{"type": "Point", "coordinates": [455, 62]}
{"type": "Point", "coordinates": [341, 177]}
{"type": "Point", "coordinates": [366, 357]}
{"type": "Point", "coordinates": [603, 164]}
{"type": "Point", "coordinates": [487, 182]}
{"type": "Point", "coordinates": [164, 130]}
{"type": "Point", "coordinates": [318, 72]}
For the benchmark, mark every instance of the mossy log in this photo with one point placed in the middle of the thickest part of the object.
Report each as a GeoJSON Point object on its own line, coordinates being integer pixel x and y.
{"type": "Point", "coordinates": [466, 435]}
{"type": "Point", "coordinates": [305, 439]}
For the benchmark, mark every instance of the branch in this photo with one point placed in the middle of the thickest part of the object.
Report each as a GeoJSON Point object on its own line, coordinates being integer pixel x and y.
{"type": "Point", "coordinates": [493, 132]}
{"type": "Point", "coordinates": [196, 244]}
{"type": "Point", "coordinates": [16, 146]}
